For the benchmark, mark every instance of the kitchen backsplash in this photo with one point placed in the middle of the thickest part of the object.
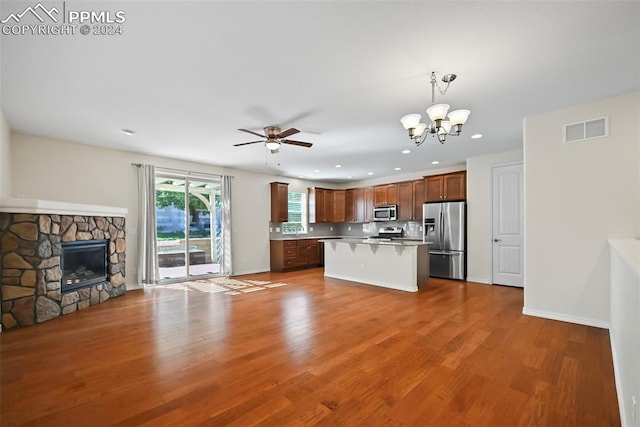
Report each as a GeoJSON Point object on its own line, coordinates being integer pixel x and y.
{"type": "Point", "coordinates": [412, 229]}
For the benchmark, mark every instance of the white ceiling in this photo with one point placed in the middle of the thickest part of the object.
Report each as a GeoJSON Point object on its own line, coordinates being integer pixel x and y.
{"type": "Point", "coordinates": [186, 75]}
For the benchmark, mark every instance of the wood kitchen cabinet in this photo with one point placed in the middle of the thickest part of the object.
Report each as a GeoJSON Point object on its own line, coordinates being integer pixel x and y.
{"type": "Point", "coordinates": [292, 254]}
{"type": "Point", "coordinates": [339, 206]}
{"type": "Point", "coordinates": [418, 199]}
{"type": "Point", "coordinates": [279, 202]}
{"type": "Point", "coordinates": [320, 205]}
{"type": "Point", "coordinates": [446, 187]}
{"type": "Point", "coordinates": [410, 200]}
{"type": "Point", "coordinates": [283, 255]}
{"type": "Point", "coordinates": [368, 203]}
{"type": "Point", "coordinates": [386, 194]}
{"type": "Point", "coordinates": [354, 205]}
{"type": "Point", "coordinates": [308, 254]}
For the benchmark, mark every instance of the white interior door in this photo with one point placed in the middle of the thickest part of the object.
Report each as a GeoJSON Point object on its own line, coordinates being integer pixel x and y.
{"type": "Point", "coordinates": [508, 226]}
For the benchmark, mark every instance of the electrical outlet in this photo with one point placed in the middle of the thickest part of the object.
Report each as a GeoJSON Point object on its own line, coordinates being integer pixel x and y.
{"type": "Point", "coordinates": [310, 228]}
{"type": "Point", "coordinates": [330, 228]}
{"type": "Point", "coordinates": [349, 228]}
{"type": "Point", "coordinates": [270, 229]}
{"type": "Point", "coordinates": [277, 229]}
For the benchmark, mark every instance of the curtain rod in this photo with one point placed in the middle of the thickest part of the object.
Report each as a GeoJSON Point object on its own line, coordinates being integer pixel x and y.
{"type": "Point", "coordinates": [188, 173]}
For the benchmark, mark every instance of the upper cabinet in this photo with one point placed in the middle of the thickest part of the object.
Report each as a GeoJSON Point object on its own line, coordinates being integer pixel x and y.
{"type": "Point", "coordinates": [386, 194]}
{"type": "Point", "coordinates": [321, 205]}
{"type": "Point", "coordinates": [410, 200]}
{"type": "Point", "coordinates": [355, 205]}
{"type": "Point", "coordinates": [446, 187]}
{"type": "Point", "coordinates": [279, 202]}
{"type": "Point", "coordinates": [368, 203]}
{"type": "Point", "coordinates": [339, 206]}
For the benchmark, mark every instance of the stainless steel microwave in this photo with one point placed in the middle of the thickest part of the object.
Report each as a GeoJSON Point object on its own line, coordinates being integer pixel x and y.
{"type": "Point", "coordinates": [385, 213]}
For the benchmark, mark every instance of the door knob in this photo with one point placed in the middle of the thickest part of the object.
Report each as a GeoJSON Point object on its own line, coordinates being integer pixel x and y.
{"type": "Point", "coordinates": [497, 240]}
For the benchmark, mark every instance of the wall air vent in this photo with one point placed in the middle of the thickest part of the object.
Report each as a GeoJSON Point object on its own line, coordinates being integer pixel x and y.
{"type": "Point", "coordinates": [589, 129]}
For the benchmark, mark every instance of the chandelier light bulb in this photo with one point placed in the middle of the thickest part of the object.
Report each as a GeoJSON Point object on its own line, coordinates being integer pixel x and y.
{"type": "Point", "coordinates": [419, 130]}
{"type": "Point", "coordinates": [410, 121]}
{"type": "Point", "coordinates": [459, 117]}
{"type": "Point", "coordinates": [438, 111]}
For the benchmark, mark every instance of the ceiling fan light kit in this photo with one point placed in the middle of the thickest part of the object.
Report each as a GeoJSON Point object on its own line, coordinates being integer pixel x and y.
{"type": "Point", "coordinates": [274, 137]}
{"type": "Point", "coordinates": [439, 127]}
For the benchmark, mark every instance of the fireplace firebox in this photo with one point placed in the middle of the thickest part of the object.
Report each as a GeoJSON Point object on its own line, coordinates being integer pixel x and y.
{"type": "Point", "coordinates": [83, 263]}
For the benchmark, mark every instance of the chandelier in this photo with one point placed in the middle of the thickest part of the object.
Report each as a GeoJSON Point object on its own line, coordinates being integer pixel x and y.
{"type": "Point", "coordinates": [442, 124]}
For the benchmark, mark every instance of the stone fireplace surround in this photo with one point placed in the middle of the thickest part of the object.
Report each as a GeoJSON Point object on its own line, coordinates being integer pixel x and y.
{"type": "Point", "coordinates": [31, 236]}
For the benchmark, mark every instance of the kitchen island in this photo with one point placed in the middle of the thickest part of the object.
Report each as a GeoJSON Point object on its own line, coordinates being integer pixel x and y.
{"type": "Point", "coordinates": [395, 264]}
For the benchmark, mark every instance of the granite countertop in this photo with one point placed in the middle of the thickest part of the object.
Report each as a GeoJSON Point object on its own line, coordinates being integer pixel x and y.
{"type": "Point", "coordinates": [301, 237]}
{"type": "Point", "coordinates": [365, 241]}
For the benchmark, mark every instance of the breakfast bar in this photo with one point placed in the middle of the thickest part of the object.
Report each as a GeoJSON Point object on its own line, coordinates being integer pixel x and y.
{"type": "Point", "coordinates": [395, 264]}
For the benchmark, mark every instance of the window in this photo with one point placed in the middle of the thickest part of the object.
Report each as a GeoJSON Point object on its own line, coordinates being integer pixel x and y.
{"type": "Point", "coordinates": [297, 214]}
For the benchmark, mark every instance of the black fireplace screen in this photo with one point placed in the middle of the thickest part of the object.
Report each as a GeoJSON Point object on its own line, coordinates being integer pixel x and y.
{"type": "Point", "coordinates": [83, 263]}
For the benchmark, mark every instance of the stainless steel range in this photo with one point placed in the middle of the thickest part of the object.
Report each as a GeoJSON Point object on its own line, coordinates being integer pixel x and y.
{"type": "Point", "coordinates": [386, 234]}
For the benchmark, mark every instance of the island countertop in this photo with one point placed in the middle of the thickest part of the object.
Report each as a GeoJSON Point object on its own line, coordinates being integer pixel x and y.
{"type": "Point", "coordinates": [369, 241]}
{"type": "Point", "coordinates": [396, 264]}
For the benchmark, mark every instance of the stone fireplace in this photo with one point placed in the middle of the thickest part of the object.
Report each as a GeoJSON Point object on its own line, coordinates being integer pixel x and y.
{"type": "Point", "coordinates": [53, 264]}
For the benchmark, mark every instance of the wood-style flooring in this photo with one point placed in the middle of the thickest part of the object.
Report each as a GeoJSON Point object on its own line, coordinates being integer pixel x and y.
{"type": "Point", "coordinates": [318, 351]}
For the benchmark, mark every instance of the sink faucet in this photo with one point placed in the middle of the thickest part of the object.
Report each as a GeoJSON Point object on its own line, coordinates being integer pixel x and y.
{"type": "Point", "coordinates": [299, 228]}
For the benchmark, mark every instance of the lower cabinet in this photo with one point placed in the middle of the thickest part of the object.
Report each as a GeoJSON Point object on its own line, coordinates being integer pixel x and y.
{"type": "Point", "coordinates": [291, 254]}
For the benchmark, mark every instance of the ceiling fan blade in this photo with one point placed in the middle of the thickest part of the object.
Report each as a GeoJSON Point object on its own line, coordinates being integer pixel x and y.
{"type": "Point", "coordinates": [300, 143]}
{"type": "Point", "coordinates": [246, 143]}
{"type": "Point", "coordinates": [287, 133]}
{"type": "Point", "coordinates": [252, 133]}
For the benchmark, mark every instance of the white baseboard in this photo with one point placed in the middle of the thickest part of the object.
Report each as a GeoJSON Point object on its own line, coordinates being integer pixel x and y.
{"type": "Point", "coordinates": [616, 375]}
{"type": "Point", "coordinates": [566, 318]}
{"type": "Point", "coordinates": [482, 280]}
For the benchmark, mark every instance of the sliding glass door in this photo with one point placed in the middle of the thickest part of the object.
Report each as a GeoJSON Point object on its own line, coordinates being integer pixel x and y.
{"type": "Point", "coordinates": [188, 227]}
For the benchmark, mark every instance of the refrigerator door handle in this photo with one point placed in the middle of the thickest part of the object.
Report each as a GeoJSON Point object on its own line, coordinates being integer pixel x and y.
{"type": "Point", "coordinates": [449, 253]}
{"type": "Point", "coordinates": [441, 229]}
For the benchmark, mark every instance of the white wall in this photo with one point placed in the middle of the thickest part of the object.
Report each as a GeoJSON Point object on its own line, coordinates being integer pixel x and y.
{"type": "Point", "coordinates": [576, 196]}
{"type": "Point", "coordinates": [62, 171]}
{"type": "Point", "coordinates": [479, 223]}
{"type": "Point", "coordinates": [5, 157]}
{"type": "Point", "coordinates": [625, 319]}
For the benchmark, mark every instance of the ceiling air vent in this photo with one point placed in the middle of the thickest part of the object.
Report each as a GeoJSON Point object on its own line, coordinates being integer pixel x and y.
{"type": "Point", "coordinates": [589, 129]}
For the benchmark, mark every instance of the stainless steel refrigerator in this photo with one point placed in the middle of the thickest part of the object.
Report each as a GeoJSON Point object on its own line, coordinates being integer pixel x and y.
{"type": "Point", "coordinates": [444, 225]}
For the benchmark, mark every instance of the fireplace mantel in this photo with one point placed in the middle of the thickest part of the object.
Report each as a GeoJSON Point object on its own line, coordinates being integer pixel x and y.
{"type": "Point", "coordinates": [36, 206]}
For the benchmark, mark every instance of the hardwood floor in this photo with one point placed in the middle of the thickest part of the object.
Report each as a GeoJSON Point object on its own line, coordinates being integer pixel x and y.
{"type": "Point", "coordinates": [316, 352]}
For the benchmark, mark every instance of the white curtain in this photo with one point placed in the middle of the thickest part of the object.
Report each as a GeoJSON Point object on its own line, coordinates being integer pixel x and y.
{"type": "Point", "coordinates": [225, 195]}
{"type": "Point", "coordinates": [148, 271]}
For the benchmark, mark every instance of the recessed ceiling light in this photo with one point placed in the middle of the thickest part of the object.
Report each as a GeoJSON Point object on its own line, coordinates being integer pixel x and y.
{"type": "Point", "coordinates": [369, 173]}
{"type": "Point", "coordinates": [316, 170]}
{"type": "Point", "coordinates": [338, 166]}
{"type": "Point", "coordinates": [128, 131]}
{"type": "Point", "coordinates": [476, 136]}
{"type": "Point", "coordinates": [405, 151]}
{"type": "Point", "coordinates": [300, 176]}
{"type": "Point", "coordinates": [397, 169]}
{"type": "Point", "coordinates": [349, 177]}
{"type": "Point", "coordinates": [435, 162]}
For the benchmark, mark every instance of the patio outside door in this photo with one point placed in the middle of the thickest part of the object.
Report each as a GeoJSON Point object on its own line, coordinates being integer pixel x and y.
{"type": "Point", "coordinates": [188, 227]}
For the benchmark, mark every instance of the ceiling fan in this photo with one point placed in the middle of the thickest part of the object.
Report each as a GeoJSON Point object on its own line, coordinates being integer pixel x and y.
{"type": "Point", "coordinates": [274, 137]}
